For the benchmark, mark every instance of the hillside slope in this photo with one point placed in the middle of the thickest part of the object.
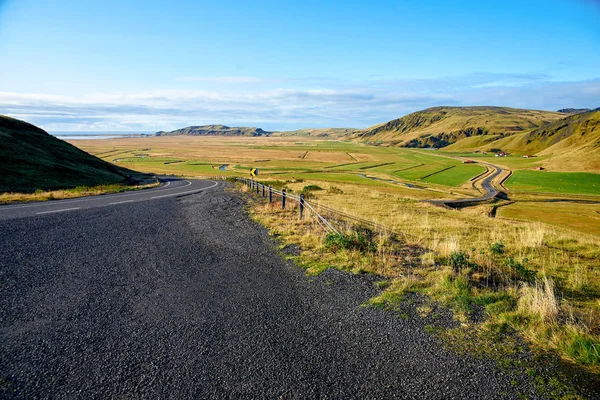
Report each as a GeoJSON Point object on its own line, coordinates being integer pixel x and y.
{"type": "Point", "coordinates": [33, 159]}
{"type": "Point", "coordinates": [573, 143]}
{"type": "Point", "coordinates": [442, 126]}
{"type": "Point", "coordinates": [215, 130]}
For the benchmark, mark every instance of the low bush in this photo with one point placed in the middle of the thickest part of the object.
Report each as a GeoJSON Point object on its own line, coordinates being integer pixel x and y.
{"type": "Point", "coordinates": [518, 270]}
{"type": "Point", "coordinates": [307, 191]}
{"type": "Point", "coordinates": [311, 188]}
{"type": "Point", "coordinates": [334, 190]}
{"type": "Point", "coordinates": [497, 249]}
{"type": "Point", "coordinates": [352, 241]}
{"type": "Point", "coordinates": [459, 260]}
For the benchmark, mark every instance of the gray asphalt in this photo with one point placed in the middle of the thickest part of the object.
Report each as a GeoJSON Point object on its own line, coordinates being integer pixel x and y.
{"type": "Point", "coordinates": [486, 185]}
{"type": "Point", "coordinates": [188, 298]}
{"type": "Point", "coordinates": [169, 187]}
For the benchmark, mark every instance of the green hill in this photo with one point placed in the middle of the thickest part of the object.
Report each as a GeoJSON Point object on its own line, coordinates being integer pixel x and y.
{"type": "Point", "coordinates": [442, 126]}
{"type": "Point", "coordinates": [215, 130]}
{"type": "Point", "coordinates": [572, 143]}
{"type": "Point", "coordinates": [33, 159]}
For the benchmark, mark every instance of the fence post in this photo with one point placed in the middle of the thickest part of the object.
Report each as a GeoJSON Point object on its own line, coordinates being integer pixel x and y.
{"type": "Point", "coordinates": [301, 205]}
{"type": "Point", "coordinates": [252, 184]}
{"type": "Point", "coordinates": [283, 199]}
{"type": "Point", "coordinates": [256, 184]}
{"type": "Point", "coordinates": [263, 190]}
{"type": "Point", "coordinates": [270, 194]}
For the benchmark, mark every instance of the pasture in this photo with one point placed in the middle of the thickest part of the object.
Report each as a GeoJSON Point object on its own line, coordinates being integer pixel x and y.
{"type": "Point", "coordinates": [407, 173]}
{"type": "Point", "coordinates": [584, 218]}
{"type": "Point", "coordinates": [555, 182]}
{"type": "Point", "coordinates": [281, 158]}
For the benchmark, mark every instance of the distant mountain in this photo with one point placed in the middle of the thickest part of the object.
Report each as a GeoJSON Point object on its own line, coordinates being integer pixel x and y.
{"type": "Point", "coordinates": [215, 130]}
{"type": "Point", "coordinates": [442, 126]}
{"type": "Point", "coordinates": [573, 110]}
{"type": "Point", "coordinates": [319, 132]}
{"type": "Point", "coordinates": [33, 159]}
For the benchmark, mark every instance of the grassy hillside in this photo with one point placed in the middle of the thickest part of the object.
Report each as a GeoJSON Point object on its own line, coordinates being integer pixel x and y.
{"type": "Point", "coordinates": [215, 130]}
{"type": "Point", "coordinates": [32, 159]}
{"type": "Point", "coordinates": [443, 126]}
{"type": "Point", "coordinates": [569, 144]}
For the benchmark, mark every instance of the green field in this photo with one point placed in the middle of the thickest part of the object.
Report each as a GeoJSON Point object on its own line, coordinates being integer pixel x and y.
{"type": "Point", "coordinates": [284, 159]}
{"type": "Point", "coordinates": [555, 182]}
{"type": "Point", "coordinates": [329, 160]}
{"type": "Point", "coordinates": [584, 218]}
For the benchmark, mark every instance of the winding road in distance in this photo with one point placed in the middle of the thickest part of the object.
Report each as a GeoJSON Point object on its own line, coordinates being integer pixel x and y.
{"type": "Point", "coordinates": [486, 185]}
{"type": "Point", "coordinates": [169, 188]}
{"type": "Point", "coordinates": [175, 293]}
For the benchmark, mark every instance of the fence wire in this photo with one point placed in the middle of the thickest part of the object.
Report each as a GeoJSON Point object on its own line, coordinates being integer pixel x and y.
{"type": "Point", "coordinates": [317, 210]}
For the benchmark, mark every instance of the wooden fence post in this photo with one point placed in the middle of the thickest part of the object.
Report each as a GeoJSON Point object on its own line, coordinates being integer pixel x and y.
{"type": "Point", "coordinates": [283, 199]}
{"type": "Point", "coordinates": [263, 190]}
{"type": "Point", "coordinates": [301, 206]}
{"type": "Point", "coordinates": [256, 184]}
{"type": "Point", "coordinates": [270, 194]}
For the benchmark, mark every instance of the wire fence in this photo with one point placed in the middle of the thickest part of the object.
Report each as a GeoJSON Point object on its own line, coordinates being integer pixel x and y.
{"type": "Point", "coordinates": [332, 220]}
{"type": "Point", "coordinates": [303, 205]}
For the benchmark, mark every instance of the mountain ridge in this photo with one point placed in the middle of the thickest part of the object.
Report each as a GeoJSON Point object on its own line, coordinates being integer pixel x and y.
{"type": "Point", "coordinates": [215, 130]}
{"type": "Point", "coordinates": [442, 126]}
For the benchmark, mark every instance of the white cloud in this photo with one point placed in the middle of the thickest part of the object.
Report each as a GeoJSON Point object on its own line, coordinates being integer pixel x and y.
{"type": "Point", "coordinates": [225, 80]}
{"type": "Point", "coordinates": [324, 103]}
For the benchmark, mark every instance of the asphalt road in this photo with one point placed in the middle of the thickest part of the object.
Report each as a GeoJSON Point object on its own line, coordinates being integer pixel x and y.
{"type": "Point", "coordinates": [170, 187]}
{"type": "Point", "coordinates": [486, 185]}
{"type": "Point", "coordinates": [188, 298]}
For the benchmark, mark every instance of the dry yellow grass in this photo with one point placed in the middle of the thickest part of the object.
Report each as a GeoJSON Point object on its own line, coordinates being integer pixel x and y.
{"type": "Point", "coordinates": [432, 235]}
{"type": "Point", "coordinates": [82, 191]}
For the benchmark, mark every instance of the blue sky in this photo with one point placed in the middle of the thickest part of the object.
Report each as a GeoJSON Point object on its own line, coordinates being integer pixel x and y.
{"type": "Point", "coordinates": [158, 65]}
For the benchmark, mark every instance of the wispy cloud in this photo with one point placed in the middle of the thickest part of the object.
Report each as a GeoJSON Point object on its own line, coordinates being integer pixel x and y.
{"type": "Point", "coordinates": [226, 80]}
{"type": "Point", "coordinates": [323, 103]}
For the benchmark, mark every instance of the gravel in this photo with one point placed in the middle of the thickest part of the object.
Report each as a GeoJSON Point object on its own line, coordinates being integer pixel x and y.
{"type": "Point", "coordinates": [188, 298]}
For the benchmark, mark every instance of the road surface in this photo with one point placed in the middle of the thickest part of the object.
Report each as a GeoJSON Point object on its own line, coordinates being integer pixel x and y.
{"type": "Point", "coordinates": [486, 185]}
{"type": "Point", "coordinates": [187, 298]}
{"type": "Point", "coordinates": [169, 188]}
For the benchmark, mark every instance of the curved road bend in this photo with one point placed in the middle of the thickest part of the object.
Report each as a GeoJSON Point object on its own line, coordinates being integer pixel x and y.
{"type": "Point", "coordinates": [486, 185]}
{"type": "Point", "coordinates": [170, 187]}
{"type": "Point", "coordinates": [187, 298]}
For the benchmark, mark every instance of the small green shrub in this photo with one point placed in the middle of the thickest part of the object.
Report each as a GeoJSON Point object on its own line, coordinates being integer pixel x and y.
{"type": "Point", "coordinates": [459, 260]}
{"type": "Point", "coordinates": [307, 191]}
{"type": "Point", "coordinates": [334, 190]}
{"type": "Point", "coordinates": [518, 269]}
{"type": "Point", "coordinates": [311, 188]}
{"type": "Point", "coordinates": [353, 241]}
{"type": "Point", "coordinates": [497, 249]}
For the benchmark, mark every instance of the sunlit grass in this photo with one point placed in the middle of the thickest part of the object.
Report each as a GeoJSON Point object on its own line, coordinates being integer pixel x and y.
{"type": "Point", "coordinates": [80, 191]}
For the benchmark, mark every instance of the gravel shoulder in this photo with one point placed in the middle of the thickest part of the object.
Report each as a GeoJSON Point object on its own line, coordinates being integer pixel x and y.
{"type": "Point", "coordinates": [188, 298]}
